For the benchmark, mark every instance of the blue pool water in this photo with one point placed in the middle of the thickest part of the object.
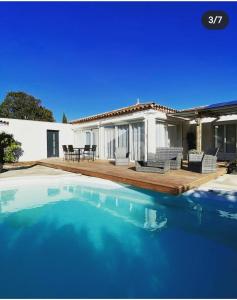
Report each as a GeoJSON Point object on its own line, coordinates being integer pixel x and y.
{"type": "Point", "coordinates": [78, 240]}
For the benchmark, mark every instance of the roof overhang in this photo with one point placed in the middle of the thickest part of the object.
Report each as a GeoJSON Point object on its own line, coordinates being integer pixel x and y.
{"type": "Point", "coordinates": [215, 110]}
{"type": "Point", "coordinates": [125, 111]}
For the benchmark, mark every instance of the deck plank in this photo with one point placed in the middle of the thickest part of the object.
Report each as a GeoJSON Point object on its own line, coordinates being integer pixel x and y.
{"type": "Point", "coordinates": [174, 182]}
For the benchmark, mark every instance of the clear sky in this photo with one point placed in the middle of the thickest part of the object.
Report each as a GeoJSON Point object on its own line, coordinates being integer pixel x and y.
{"type": "Point", "coordinates": [86, 58]}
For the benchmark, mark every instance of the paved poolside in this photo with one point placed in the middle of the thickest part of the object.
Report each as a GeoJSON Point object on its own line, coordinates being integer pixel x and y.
{"type": "Point", "coordinates": [16, 171]}
{"type": "Point", "coordinates": [226, 182]}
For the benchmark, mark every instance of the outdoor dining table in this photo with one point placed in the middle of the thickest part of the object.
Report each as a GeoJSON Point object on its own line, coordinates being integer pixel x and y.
{"type": "Point", "coordinates": [79, 149]}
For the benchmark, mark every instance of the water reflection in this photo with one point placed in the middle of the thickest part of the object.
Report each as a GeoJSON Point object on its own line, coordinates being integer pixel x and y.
{"type": "Point", "coordinates": [6, 196]}
{"type": "Point", "coordinates": [27, 197]}
{"type": "Point", "coordinates": [124, 207]}
{"type": "Point", "coordinates": [197, 212]}
{"type": "Point", "coordinates": [152, 221]}
{"type": "Point", "coordinates": [64, 239]}
{"type": "Point", "coordinates": [125, 204]}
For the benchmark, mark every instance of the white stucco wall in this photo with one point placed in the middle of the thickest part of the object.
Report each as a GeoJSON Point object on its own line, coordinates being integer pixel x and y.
{"type": "Point", "coordinates": [123, 119]}
{"type": "Point", "coordinates": [33, 136]}
{"type": "Point", "coordinates": [149, 117]}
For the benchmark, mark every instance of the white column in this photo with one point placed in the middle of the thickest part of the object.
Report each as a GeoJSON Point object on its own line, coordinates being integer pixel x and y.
{"type": "Point", "coordinates": [199, 134]}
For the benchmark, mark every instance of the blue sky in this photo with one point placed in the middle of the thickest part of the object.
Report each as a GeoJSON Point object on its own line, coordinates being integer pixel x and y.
{"type": "Point", "coordinates": [86, 58]}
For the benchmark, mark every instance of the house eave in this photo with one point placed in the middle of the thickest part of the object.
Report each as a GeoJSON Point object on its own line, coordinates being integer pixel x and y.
{"type": "Point", "coordinates": [125, 111]}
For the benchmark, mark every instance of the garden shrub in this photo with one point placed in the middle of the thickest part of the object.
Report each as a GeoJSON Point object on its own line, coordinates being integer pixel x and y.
{"type": "Point", "coordinates": [12, 152]}
{"type": "Point", "coordinates": [10, 149]}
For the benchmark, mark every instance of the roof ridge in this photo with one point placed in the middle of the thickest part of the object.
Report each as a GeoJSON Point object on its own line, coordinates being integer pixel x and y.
{"type": "Point", "coordinates": [113, 110]}
{"type": "Point", "coordinates": [124, 110]}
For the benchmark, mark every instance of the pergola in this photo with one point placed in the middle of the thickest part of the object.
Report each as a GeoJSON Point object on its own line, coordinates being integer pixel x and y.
{"type": "Point", "coordinates": [214, 111]}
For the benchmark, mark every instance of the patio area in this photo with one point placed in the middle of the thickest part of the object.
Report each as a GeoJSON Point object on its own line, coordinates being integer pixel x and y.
{"type": "Point", "coordinates": [174, 182]}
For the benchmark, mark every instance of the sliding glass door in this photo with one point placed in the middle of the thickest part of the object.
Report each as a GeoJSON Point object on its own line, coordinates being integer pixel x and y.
{"type": "Point", "coordinates": [230, 138]}
{"type": "Point", "coordinates": [88, 137]}
{"type": "Point", "coordinates": [138, 141]}
{"type": "Point", "coordinates": [168, 135]}
{"type": "Point", "coordinates": [220, 137]}
{"type": "Point", "coordinates": [123, 137]}
{"type": "Point", "coordinates": [173, 135]}
{"type": "Point", "coordinates": [225, 138]}
{"type": "Point", "coordinates": [161, 134]}
{"type": "Point", "coordinates": [109, 142]}
{"type": "Point", "coordinates": [95, 138]}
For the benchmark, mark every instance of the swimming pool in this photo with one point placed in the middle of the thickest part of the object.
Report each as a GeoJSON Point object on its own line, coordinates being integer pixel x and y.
{"type": "Point", "coordinates": [78, 237]}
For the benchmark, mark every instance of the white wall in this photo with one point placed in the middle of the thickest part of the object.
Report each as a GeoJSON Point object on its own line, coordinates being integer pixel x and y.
{"type": "Point", "coordinates": [119, 120]}
{"type": "Point", "coordinates": [149, 118]}
{"type": "Point", "coordinates": [33, 136]}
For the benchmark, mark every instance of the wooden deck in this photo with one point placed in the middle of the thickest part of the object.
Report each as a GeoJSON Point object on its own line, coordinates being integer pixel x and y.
{"type": "Point", "coordinates": [174, 182]}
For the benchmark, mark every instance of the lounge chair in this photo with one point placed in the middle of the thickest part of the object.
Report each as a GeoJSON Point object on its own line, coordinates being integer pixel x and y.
{"type": "Point", "coordinates": [173, 154]}
{"type": "Point", "coordinates": [203, 163]}
{"type": "Point", "coordinates": [121, 157]}
{"type": "Point", "coordinates": [153, 167]}
{"type": "Point", "coordinates": [195, 156]}
{"type": "Point", "coordinates": [206, 165]}
{"type": "Point", "coordinates": [213, 151]}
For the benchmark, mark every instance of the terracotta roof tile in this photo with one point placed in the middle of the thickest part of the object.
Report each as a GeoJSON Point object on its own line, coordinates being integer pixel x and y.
{"type": "Point", "coordinates": [125, 110]}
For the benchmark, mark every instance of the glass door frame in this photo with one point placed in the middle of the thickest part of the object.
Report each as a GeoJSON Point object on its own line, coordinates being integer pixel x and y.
{"type": "Point", "coordinates": [131, 141]}
{"type": "Point", "coordinates": [225, 137]}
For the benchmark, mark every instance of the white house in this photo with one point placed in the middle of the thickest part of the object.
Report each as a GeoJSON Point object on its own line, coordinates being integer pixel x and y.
{"type": "Point", "coordinates": [141, 128]}
{"type": "Point", "coordinates": [38, 139]}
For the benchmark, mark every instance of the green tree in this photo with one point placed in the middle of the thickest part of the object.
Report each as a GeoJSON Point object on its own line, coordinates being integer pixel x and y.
{"type": "Point", "coordinates": [64, 119]}
{"type": "Point", "coordinates": [19, 105]}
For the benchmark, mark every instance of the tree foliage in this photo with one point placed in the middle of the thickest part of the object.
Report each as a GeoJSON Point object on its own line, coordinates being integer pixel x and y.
{"type": "Point", "coordinates": [10, 149]}
{"type": "Point", "coordinates": [64, 119]}
{"type": "Point", "coordinates": [19, 105]}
